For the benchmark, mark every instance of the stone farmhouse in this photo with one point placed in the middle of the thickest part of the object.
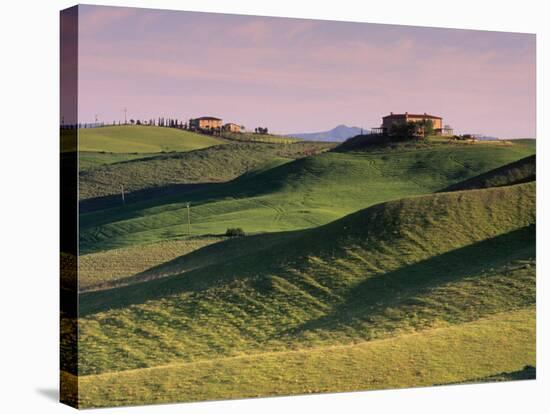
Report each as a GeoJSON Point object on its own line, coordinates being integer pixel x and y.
{"type": "Point", "coordinates": [231, 127]}
{"type": "Point", "coordinates": [389, 120]}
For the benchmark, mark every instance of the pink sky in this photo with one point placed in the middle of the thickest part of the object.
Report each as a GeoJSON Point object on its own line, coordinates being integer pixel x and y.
{"type": "Point", "coordinates": [297, 75]}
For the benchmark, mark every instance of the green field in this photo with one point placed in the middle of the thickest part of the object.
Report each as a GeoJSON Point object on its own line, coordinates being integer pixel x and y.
{"type": "Point", "coordinates": [304, 193]}
{"type": "Point", "coordinates": [363, 267]}
{"type": "Point", "coordinates": [141, 139]}
{"type": "Point", "coordinates": [470, 351]}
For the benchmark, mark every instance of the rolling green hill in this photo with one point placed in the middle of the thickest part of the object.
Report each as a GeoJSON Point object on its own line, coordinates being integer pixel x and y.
{"type": "Point", "coordinates": [141, 139]}
{"type": "Point", "coordinates": [397, 267]}
{"type": "Point", "coordinates": [517, 172]}
{"type": "Point", "coordinates": [301, 194]}
{"type": "Point", "coordinates": [209, 165]}
{"type": "Point", "coordinates": [361, 270]}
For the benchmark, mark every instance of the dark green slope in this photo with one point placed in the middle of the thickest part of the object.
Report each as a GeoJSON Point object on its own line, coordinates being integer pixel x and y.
{"type": "Point", "coordinates": [228, 250]}
{"type": "Point", "coordinates": [209, 165]}
{"type": "Point", "coordinates": [517, 172]}
{"type": "Point", "coordinates": [404, 265]}
{"type": "Point", "coordinates": [527, 373]}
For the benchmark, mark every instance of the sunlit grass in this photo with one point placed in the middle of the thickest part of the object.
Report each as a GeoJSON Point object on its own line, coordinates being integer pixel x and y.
{"type": "Point", "coordinates": [490, 346]}
{"type": "Point", "coordinates": [141, 138]}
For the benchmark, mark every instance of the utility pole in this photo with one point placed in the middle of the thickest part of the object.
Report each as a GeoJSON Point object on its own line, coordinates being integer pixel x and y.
{"type": "Point", "coordinates": [122, 193]}
{"type": "Point", "coordinates": [125, 111]}
{"type": "Point", "coordinates": [188, 219]}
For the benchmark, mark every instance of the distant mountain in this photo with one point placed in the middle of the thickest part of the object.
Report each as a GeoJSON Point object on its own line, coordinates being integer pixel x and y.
{"type": "Point", "coordinates": [338, 134]}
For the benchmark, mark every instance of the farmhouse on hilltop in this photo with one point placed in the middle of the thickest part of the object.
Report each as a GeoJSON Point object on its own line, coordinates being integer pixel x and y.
{"type": "Point", "coordinates": [231, 127]}
{"type": "Point", "coordinates": [392, 119]}
{"type": "Point", "coordinates": [205, 122]}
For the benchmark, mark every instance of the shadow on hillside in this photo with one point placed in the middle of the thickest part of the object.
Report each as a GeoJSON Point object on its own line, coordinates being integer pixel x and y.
{"type": "Point", "coordinates": [369, 298]}
{"type": "Point", "coordinates": [517, 172]}
{"type": "Point", "coordinates": [245, 186]}
{"type": "Point", "coordinates": [374, 295]}
{"type": "Point", "coordinates": [528, 372]}
{"type": "Point", "coordinates": [113, 201]}
{"type": "Point", "coordinates": [250, 255]}
{"type": "Point", "coordinates": [229, 249]}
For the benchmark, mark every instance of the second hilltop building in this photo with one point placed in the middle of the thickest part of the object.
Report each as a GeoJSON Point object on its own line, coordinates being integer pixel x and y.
{"type": "Point", "coordinates": [211, 123]}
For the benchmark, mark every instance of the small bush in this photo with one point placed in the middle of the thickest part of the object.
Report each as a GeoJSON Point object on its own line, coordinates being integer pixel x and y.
{"type": "Point", "coordinates": [235, 232]}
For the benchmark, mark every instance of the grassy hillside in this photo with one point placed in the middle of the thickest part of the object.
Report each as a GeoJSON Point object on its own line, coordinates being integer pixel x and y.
{"type": "Point", "coordinates": [375, 143]}
{"type": "Point", "coordinates": [398, 267]}
{"type": "Point", "coordinates": [499, 343]}
{"type": "Point", "coordinates": [120, 267]}
{"type": "Point", "coordinates": [359, 262]}
{"type": "Point", "coordinates": [521, 171]}
{"type": "Point", "coordinates": [530, 142]}
{"type": "Point", "coordinates": [263, 138]}
{"type": "Point", "coordinates": [141, 139]}
{"type": "Point", "coordinates": [301, 194]}
{"type": "Point", "coordinates": [89, 160]}
{"type": "Point", "coordinates": [97, 269]}
{"type": "Point", "coordinates": [214, 164]}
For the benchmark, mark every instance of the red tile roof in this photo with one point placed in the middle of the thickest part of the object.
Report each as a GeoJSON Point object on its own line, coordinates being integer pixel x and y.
{"type": "Point", "coordinates": [208, 118]}
{"type": "Point", "coordinates": [411, 116]}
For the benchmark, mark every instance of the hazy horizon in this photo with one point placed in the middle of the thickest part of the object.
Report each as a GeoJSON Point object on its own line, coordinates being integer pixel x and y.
{"type": "Point", "coordinates": [299, 75]}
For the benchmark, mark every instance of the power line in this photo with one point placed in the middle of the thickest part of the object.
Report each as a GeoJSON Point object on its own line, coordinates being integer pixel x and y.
{"type": "Point", "coordinates": [188, 219]}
